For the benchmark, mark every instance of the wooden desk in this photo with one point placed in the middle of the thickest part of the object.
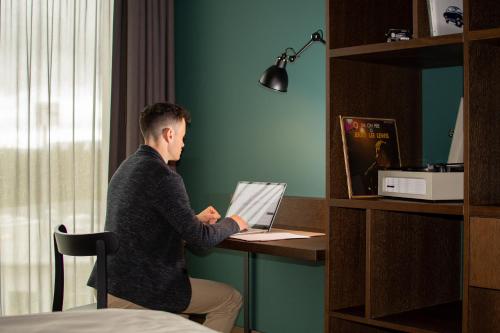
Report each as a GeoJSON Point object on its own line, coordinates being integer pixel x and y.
{"type": "Point", "coordinates": [309, 249]}
{"type": "Point", "coordinates": [295, 213]}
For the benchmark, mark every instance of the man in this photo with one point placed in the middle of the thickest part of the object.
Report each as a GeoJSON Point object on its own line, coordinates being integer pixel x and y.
{"type": "Point", "coordinates": [149, 210]}
{"type": "Point", "coordinates": [382, 161]}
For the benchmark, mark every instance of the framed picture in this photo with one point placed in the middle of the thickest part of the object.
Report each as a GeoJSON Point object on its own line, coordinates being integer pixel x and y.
{"type": "Point", "coordinates": [445, 16]}
{"type": "Point", "coordinates": [370, 144]}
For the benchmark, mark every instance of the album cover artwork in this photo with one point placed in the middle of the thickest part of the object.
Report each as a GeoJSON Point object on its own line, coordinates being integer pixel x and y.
{"type": "Point", "coordinates": [370, 144]}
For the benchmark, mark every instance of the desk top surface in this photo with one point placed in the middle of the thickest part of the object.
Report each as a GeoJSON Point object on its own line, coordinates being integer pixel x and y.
{"type": "Point", "coordinates": [310, 249]}
{"type": "Point", "coordinates": [295, 213]}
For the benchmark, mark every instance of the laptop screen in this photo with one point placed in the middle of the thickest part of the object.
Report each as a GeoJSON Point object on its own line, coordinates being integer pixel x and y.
{"type": "Point", "coordinates": [256, 202]}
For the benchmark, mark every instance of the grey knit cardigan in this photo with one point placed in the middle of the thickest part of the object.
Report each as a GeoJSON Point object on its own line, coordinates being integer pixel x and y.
{"type": "Point", "coordinates": [149, 210]}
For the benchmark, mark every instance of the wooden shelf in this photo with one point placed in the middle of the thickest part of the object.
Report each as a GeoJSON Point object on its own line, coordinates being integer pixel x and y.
{"type": "Point", "coordinates": [426, 52]}
{"type": "Point", "coordinates": [401, 206]}
{"type": "Point", "coordinates": [355, 312]}
{"type": "Point", "coordinates": [485, 211]}
{"type": "Point", "coordinates": [440, 318]}
{"type": "Point", "coordinates": [485, 34]}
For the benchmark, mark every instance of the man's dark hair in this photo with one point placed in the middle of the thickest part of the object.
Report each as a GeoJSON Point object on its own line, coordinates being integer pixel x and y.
{"type": "Point", "coordinates": [157, 116]}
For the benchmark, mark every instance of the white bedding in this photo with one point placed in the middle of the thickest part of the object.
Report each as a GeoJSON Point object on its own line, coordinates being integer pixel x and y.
{"type": "Point", "coordinates": [97, 321]}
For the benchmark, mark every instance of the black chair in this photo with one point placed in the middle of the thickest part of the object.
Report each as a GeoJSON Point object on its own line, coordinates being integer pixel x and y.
{"type": "Point", "coordinates": [99, 244]}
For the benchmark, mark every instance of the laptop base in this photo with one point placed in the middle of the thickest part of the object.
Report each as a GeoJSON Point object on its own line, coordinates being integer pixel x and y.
{"type": "Point", "coordinates": [251, 231]}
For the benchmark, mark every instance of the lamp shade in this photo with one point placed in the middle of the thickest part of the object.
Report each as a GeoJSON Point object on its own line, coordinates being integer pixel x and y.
{"type": "Point", "coordinates": [276, 77]}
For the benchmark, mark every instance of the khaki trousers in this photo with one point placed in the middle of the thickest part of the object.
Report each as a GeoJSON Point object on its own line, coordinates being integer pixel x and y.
{"type": "Point", "coordinates": [220, 302]}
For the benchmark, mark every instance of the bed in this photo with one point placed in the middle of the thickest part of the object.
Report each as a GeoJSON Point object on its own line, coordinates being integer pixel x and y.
{"type": "Point", "coordinates": [105, 320]}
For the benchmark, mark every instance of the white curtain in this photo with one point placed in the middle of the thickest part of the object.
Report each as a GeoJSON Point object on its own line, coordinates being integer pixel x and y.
{"type": "Point", "coordinates": [55, 89]}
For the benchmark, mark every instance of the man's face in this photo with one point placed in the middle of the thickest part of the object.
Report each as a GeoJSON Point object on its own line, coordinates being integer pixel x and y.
{"type": "Point", "coordinates": [175, 147]}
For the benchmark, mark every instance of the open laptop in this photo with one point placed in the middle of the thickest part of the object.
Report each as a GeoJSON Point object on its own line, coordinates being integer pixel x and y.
{"type": "Point", "coordinates": [257, 203]}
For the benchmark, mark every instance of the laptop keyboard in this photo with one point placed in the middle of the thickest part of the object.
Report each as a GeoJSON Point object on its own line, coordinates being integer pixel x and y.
{"type": "Point", "coordinates": [251, 231]}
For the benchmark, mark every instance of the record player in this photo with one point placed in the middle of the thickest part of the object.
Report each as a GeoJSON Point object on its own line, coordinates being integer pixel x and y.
{"type": "Point", "coordinates": [441, 181]}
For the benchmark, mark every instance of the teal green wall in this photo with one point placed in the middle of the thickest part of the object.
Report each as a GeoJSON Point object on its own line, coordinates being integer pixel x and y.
{"type": "Point", "coordinates": [441, 92]}
{"type": "Point", "coordinates": [241, 131]}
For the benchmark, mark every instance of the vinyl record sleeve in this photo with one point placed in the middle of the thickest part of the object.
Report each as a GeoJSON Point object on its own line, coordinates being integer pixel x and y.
{"type": "Point", "coordinates": [369, 144]}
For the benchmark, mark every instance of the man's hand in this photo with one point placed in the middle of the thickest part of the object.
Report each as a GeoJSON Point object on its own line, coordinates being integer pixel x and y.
{"type": "Point", "coordinates": [209, 216]}
{"type": "Point", "coordinates": [241, 222]}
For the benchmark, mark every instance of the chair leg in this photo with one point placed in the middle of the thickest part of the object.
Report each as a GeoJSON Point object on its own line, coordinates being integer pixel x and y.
{"type": "Point", "coordinates": [57, 300]}
{"type": "Point", "coordinates": [102, 284]}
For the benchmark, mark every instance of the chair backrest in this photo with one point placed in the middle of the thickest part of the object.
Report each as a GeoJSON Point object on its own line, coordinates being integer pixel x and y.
{"type": "Point", "coordinates": [99, 244]}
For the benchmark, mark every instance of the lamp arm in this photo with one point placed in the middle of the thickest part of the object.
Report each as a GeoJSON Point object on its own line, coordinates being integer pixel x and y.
{"type": "Point", "coordinates": [315, 37]}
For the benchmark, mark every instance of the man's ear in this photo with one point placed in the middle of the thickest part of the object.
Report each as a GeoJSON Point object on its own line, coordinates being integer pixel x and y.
{"type": "Point", "coordinates": [168, 134]}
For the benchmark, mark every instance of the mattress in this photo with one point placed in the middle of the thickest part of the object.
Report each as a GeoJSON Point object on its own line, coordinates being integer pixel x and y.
{"type": "Point", "coordinates": [104, 320]}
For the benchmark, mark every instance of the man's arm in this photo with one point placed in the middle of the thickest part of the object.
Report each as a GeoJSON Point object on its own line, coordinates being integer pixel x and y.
{"type": "Point", "coordinates": [176, 209]}
{"type": "Point", "coordinates": [210, 216]}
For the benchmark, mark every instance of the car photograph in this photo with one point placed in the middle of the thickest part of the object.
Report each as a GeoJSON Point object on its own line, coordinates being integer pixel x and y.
{"type": "Point", "coordinates": [454, 14]}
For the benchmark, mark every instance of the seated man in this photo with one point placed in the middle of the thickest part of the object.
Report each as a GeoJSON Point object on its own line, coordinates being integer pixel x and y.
{"type": "Point", "coordinates": [149, 210]}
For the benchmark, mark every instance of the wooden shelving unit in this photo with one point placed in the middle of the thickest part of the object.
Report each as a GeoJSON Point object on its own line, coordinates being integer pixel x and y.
{"type": "Point", "coordinates": [400, 206]}
{"type": "Point", "coordinates": [410, 266]}
{"type": "Point", "coordinates": [424, 52]}
{"type": "Point", "coordinates": [485, 211]}
{"type": "Point", "coordinates": [431, 319]}
{"type": "Point", "coordinates": [484, 34]}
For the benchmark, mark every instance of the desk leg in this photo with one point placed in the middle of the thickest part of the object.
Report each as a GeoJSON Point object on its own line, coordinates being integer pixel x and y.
{"type": "Point", "coordinates": [246, 292]}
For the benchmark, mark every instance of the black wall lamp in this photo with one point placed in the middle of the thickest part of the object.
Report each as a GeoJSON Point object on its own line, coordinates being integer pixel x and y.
{"type": "Point", "coordinates": [275, 77]}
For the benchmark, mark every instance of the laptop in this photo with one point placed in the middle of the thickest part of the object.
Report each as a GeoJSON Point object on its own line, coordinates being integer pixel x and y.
{"type": "Point", "coordinates": [257, 203]}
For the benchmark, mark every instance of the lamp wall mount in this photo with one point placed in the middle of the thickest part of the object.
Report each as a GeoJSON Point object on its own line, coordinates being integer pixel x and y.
{"type": "Point", "coordinates": [315, 37]}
